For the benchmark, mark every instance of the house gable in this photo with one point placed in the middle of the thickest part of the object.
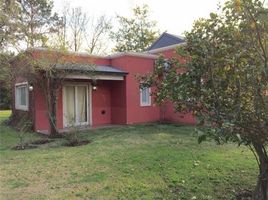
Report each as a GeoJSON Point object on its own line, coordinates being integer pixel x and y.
{"type": "Point", "coordinates": [165, 40]}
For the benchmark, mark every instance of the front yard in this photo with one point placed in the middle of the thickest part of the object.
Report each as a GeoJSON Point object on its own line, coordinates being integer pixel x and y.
{"type": "Point", "coordinates": [131, 162]}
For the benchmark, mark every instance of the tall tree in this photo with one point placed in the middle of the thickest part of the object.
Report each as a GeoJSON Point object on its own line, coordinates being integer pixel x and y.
{"type": "Point", "coordinates": [9, 10]}
{"type": "Point", "coordinates": [226, 81]}
{"type": "Point", "coordinates": [22, 23]}
{"type": "Point", "coordinates": [5, 80]}
{"type": "Point", "coordinates": [78, 22]}
{"type": "Point", "coordinates": [136, 33]}
{"type": "Point", "coordinates": [7, 39]}
{"type": "Point", "coordinates": [80, 31]}
{"type": "Point", "coordinates": [97, 33]}
{"type": "Point", "coordinates": [59, 39]}
{"type": "Point", "coordinates": [35, 21]}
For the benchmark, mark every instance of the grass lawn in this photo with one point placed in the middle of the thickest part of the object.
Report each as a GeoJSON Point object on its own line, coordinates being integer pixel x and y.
{"type": "Point", "coordinates": [131, 162]}
{"type": "Point", "coordinates": [4, 114]}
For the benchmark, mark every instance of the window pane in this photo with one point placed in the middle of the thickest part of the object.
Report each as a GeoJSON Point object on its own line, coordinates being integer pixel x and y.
{"type": "Point", "coordinates": [70, 105]}
{"type": "Point", "coordinates": [82, 104]}
{"type": "Point", "coordinates": [17, 96]}
{"type": "Point", "coordinates": [144, 95]}
{"type": "Point", "coordinates": [22, 97]}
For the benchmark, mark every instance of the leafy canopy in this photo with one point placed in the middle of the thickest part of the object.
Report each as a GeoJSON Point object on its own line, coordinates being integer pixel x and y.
{"type": "Point", "coordinates": [226, 78]}
{"type": "Point", "coordinates": [27, 22]}
{"type": "Point", "coordinates": [222, 78]}
{"type": "Point", "coordinates": [136, 33]}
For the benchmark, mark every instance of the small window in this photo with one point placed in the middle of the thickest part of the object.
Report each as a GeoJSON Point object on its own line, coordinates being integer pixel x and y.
{"type": "Point", "coordinates": [21, 96]}
{"type": "Point", "coordinates": [145, 97]}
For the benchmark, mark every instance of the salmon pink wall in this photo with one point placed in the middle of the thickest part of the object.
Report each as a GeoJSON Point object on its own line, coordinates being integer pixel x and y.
{"type": "Point", "coordinates": [101, 103]}
{"type": "Point", "coordinates": [118, 101]}
{"type": "Point", "coordinates": [114, 102]}
{"type": "Point", "coordinates": [135, 112]}
{"type": "Point", "coordinates": [171, 53]}
{"type": "Point", "coordinates": [167, 111]}
{"type": "Point", "coordinates": [137, 66]}
{"type": "Point", "coordinates": [41, 119]}
{"type": "Point", "coordinates": [168, 53]}
{"type": "Point", "coordinates": [168, 114]}
{"type": "Point", "coordinates": [41, 116]}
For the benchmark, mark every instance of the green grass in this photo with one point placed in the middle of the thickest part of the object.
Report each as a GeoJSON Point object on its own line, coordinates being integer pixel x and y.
{"type": "Point", "coordinates": [131, 162]}
{"type": "Point", "coordinates": [4, 114]}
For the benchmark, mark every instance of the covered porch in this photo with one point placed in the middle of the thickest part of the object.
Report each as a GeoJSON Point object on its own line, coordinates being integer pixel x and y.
{"type": "Point", "coordinates": [87, 99]}
{"type": "Point", "coordinates": [92, 99]}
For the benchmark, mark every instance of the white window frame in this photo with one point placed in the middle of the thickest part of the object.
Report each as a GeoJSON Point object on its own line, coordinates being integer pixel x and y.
{"type": "Point", "coordinates": [148, 103]}
{"type": "Point", "coordinates": [18, 106]}
{"type": "Point", "coordinates": [89, 103]}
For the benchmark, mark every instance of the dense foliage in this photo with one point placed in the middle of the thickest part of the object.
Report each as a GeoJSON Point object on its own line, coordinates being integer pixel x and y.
{"type": "Point", "coordinates": [136, 33]}
{"type": "Point", "coordinates": [5, 81]}
{"type": "Point", "coordinates": [25, 23]}
{"type": "Point", "coordinates": [225, 83]}
{"type": "Point", "coordinates": [33, 21]}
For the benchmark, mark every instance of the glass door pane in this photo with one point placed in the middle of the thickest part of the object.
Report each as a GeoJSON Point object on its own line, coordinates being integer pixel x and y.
{"type": "Point", "coordinates": [70, 105]}
{"type": "Point", "coordinates": [81, 104]}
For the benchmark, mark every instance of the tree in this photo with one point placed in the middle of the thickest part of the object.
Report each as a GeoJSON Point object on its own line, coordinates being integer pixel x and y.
{"type": "Point", "coordinates": [225, 81]}
{"type": "Point", "coordinates": [79, 31]}
{"type": "Point", "coordinates": [77, 23]}
{"type": "Point", "coordinates": [7, 39]}
{"type": "Point", "coordinates": [24, 23]}
{"type": "Point", "coordinates": [59, 39]}
{"type": "Point", "coordinates": [8, 36]}
{"type": "Point", "coordinates": [5, 80]}
{"type": "Point", "coordinates": [35, 21]}
{"type": "Point", "coordinates": [136, 33]}
{"type": "Point", "coordinates": [96, 34]}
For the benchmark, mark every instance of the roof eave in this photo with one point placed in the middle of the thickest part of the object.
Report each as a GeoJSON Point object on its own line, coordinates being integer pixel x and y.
{"type": "Point", "coordinates": [159, 50]}
{"type": "Point", "coordinates": [133, 54]}
{"type": "Point", "coordinates": [97, 72]}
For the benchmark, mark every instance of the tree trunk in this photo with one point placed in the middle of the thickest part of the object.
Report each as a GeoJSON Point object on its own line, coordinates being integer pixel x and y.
{"type": "Point", "coordinates": [261, 190]}
{"type": "Point", "coordinates": [53, 113]}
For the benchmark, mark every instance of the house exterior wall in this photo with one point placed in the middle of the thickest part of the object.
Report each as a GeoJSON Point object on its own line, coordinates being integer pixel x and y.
{"type": "Point", "coordinates": [114, 102]}
{"type": "Point", "coordinates": [135, 113]}
{"type": "Point", "coordinates": [168, 112]}
{"type": "Point", "coordinates": [41, 116]}
{"type": "Point", "coordinates": [41, 122]}
{"type": "Point", "coordinates": [18, 114]}
{"type": "Point", "coordinates": [118, 102]}
{"type": "Point", "coordinates": [168, 53]}
{"type": "Point", "coordinates": [101, 104]}
{"type": "Point", "coordinates": [107, 102]}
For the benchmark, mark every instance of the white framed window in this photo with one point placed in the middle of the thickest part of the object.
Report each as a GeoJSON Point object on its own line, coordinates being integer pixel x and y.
{"type": "Point", "coordinates": [21, 96]}
{"type": "Point", "coordinates": [77, 107]}
{"type": "Point", "coordinates": [145, 97]}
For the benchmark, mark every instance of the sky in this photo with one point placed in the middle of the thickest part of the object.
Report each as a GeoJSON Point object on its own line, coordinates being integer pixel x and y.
{"type": "Point", "coordinates": [173, 16]}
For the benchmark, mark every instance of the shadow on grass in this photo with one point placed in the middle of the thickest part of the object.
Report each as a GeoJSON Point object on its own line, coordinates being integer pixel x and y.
{"type": "Point", "coordinates": [37, 140]}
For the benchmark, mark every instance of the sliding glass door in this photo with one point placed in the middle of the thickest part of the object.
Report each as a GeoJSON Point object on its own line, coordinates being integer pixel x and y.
{"type": "Point", "coordinates": [75, 100]}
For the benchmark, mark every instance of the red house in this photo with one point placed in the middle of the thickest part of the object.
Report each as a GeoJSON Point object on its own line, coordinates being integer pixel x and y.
{"type": "Point", "coordinates": [111, 96]}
